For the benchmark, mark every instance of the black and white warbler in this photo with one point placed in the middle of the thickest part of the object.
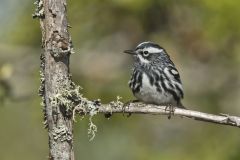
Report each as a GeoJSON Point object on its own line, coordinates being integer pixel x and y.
{"type": "Point", "coordinates": [154, 78]}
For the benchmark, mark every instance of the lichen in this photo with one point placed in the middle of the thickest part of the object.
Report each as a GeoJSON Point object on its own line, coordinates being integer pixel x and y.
{"type": "Point", "coordinates": [116, 103]}
{"type": "Point", "coordinates": [41, 90]}
{"type": "Point", "coordinates": [39, 10]}
{"type": "Point", "coordinates": [87, 107]}
{"type": "Point", "coordinates": [69, 98]}
{"type": "Point", "coordinates": [62, 133]}
{"type": "Point", "coordinates": [72, 100]}
{"type": "Point", "coordinates": [92, 129]}
{"type": "Point", "coordinates": [113, 104]}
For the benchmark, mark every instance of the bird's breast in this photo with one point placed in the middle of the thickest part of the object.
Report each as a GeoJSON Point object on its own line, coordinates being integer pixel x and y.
{"type": "Point", "coordinates": [152, 93]}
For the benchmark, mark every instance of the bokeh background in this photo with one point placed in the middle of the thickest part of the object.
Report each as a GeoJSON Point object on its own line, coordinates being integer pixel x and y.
{"type": "Point", "coordinates": [202, 38]}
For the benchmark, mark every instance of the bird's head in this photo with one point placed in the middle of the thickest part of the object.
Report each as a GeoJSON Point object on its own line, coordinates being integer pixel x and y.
{"type": "Point", "coordinates": [146, 52]}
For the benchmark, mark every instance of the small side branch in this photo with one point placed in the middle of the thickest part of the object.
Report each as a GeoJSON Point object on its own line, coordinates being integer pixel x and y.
{"type": "Point", "coordinates": [140, 108]}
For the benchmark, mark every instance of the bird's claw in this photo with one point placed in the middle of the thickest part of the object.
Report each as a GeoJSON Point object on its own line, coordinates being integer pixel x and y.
{"type": "Point", "coordinates": [171, 110]}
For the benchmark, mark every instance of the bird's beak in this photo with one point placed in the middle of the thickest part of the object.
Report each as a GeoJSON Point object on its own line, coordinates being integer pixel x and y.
{"type": "Point", "coordinates": [130, 52]}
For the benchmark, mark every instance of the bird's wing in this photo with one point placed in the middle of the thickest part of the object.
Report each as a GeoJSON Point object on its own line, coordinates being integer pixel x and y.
{"type": "Point", "coordinates": [173, 76]}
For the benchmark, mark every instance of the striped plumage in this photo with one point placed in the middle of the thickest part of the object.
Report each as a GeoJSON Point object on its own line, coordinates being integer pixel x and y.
{"type": "Point", "coordinates": [154, 78]}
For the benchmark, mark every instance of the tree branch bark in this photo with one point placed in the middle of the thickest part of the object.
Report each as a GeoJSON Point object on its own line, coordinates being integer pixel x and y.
{"type": "Point", "coordinates": [55, 77]}
{"type": "Point", "coordinates": [140, 108]}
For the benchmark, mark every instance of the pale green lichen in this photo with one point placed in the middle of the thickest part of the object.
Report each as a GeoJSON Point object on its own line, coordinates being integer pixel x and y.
{"type": "Point", "coordinates": [113, 104]}
{"type": "Point", "coordinates": [92, 129]}
{"type": "Point", "coordinates": [117, 102]}
{"type": "Point", "coordinates": [41, 90]}
{"type": "Point", "coordinates": [39, 10]}
{"type": "Point", "coordinates": [73, 101]}
{"type": "Point", "coordinates": [62, 133]}
{"type": "Point", "coordinates": [90, 108]}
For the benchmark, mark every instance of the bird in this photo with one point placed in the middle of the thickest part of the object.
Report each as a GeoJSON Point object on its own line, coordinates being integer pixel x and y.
{"type": "Point", "coordinates": [154, 78]}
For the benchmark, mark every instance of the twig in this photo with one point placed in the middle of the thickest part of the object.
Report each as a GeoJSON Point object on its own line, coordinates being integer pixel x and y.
{"type": "Point", "coordinates": [140, 108]}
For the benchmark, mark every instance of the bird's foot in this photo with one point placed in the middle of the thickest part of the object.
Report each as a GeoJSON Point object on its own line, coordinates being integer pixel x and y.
{"type": "Point", "coordinates": [171, 109]}
{"type": "Point", "coordinates": [126, 105]}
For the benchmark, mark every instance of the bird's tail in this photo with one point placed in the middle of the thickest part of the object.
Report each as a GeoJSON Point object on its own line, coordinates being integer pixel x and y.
{"type": "Point", "coordinates": [180, 105]}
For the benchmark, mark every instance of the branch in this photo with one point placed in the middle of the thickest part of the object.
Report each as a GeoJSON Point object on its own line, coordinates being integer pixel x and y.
{"type": "Point", "coordinates": [55, 77]}
{"type": "Point", "coordinates": [140, 108]}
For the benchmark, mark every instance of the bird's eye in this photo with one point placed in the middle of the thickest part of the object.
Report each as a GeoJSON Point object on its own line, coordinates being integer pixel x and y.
{"type": "Point", "coordinates": [145, 53]}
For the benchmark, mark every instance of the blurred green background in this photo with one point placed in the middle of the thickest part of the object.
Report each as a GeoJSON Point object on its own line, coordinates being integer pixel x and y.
{"type": "Point", "coordinates": [202, 38]}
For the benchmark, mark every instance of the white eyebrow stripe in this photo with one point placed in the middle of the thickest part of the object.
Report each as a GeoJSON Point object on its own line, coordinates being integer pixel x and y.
{"type": "Point", "coordinates": [153, 50]}
{"type": "Point", "coordinates": [142, 43]}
